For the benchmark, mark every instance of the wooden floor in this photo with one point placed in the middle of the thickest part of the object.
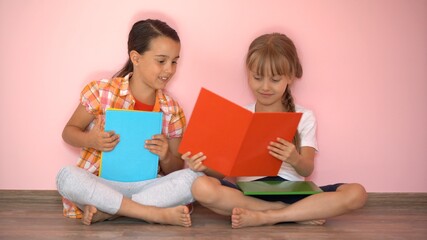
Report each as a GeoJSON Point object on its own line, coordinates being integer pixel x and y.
{"type": "Point", "coordinates": [38, 215]}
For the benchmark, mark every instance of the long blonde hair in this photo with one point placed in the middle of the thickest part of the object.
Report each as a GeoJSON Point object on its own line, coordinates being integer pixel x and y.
{"type": "Point", "coordinates": [276, 53]}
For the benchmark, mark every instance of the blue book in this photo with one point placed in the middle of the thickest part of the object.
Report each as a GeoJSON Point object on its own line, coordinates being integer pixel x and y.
{"type": "Point", "coordinates": [130, 161]}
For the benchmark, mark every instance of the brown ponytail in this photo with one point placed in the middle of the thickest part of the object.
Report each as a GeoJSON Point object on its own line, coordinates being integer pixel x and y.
{"type": "Point", "coordinates": [140, 37]}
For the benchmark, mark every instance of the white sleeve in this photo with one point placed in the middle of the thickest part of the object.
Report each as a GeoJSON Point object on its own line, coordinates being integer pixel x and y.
{"type": "Point", "coordinates": [307, 130]}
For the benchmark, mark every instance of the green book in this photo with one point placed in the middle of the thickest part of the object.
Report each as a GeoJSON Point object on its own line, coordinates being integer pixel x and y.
{"type": "Point", "coordinates": [279, 188]}
{"type": "Point", "coordinates": [130, 161]}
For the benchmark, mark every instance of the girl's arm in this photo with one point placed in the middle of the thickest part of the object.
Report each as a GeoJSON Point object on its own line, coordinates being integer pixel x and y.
{"type": "Point", "coordinates": [173, 160]}
{"type": "Point", "coordinates": [303, 162]}
{"type": "Point", "coordinates": [75, 133]}
{"type": "Point", "coordinates": [195, 163]}
{"type": "Point", "coordinates": [167, 150]}
{"type": "Point", "coordinates": [304, 165]}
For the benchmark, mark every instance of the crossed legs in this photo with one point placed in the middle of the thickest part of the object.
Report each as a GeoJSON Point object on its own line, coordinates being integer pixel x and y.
{"type": "Point", "coordinates": [247, 211]}
{"type": "Point", "coordinates": [150, 201]}
{"type": "Point", "coordinates": [178, 215]}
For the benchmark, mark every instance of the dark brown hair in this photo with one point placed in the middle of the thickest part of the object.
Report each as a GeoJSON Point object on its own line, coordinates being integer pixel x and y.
{"type": "Point", "coordinates": [140, 37]}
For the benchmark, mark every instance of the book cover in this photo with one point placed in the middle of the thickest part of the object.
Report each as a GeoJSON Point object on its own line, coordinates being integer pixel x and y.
{"type": "Point", "coordinates": [279, 188]}
{"type": "Point", "coordinates": [130, 161]}
{"type": "Point", "coordinates": [233, 138]}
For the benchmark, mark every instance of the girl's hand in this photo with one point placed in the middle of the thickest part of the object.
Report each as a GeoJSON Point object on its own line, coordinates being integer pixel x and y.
{"type": "Point", "coordinates": [195, 162]}
{"type": "Point", "coordinates": [101, 140]}
{"type": "Point", "coordinates": [284, 151]}
{"type": "Point", "coordinates": [158, 145]}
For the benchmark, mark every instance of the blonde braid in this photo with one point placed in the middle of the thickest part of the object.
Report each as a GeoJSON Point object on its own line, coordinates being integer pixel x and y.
{"type": "Point", "coordinates": [288, 103]}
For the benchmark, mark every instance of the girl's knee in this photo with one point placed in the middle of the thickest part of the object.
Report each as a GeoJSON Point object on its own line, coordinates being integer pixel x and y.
{"type": "Point", "coordinates": [62, 176]}
{"type": "Point", "coordinates": [204, 188]}
{"type": "Point", "coordinates": [356, 196]}
{"type": "Point", "coordinates": [187, 175]}
{"type": "Point", "coordinates": [66, 180]}
{"type": "Point", "coordinates": [192, 175]}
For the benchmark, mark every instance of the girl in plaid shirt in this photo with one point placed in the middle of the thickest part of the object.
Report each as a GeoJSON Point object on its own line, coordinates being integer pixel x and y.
{"type": "Point", "coordinates": [153, 49]}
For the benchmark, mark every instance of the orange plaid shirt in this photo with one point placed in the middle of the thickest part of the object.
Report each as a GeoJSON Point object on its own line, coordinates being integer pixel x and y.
{"type": "Point", "coordinates": [100, 95]}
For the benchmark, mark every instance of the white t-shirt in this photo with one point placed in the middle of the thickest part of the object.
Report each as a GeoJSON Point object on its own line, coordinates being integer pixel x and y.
{"type": "Point", "coordinates": [307, 130]}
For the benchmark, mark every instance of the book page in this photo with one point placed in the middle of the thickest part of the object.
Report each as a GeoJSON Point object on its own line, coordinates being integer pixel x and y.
{"type": "Point", "coordinates": [253, 158]}
{"type": "Point", "coordinates": [216, 128]}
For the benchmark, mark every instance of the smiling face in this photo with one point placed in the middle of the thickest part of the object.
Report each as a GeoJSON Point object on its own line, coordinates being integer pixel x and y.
{"type": "Point", "coordinates": [272, 64]}
{"type": "Point", "coordinates": [268, 90]}
{"type": "Point", "coordinates": [155, 67]}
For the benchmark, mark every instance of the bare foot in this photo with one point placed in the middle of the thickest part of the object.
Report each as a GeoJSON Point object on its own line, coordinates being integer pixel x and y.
{"type": "Point", "coordinates": [92, 215]}
{"type": "Point", "coordinates": [241, 218]}
{"type": "Point", "coordinates": [190, 208]}
{"type": "Point", "coordinates": [246, 218]}
{"type": "Point", "coordinates": [313, 222]}
{"type": "Point", "coordinates": [178, 216]}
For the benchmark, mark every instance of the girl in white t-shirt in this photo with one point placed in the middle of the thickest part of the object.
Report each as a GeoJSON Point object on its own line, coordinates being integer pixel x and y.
{"type": "Point", "coordinates": [272, 66]}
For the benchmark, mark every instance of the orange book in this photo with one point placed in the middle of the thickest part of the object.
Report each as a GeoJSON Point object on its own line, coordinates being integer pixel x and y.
{"type": "Point", "coordinates": [234, 139]}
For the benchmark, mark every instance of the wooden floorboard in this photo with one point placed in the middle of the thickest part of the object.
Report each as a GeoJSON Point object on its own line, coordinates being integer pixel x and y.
{"type": "Point", "coordinates": [38, 215]}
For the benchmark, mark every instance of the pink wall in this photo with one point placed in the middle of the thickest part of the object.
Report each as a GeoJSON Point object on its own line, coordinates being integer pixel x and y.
{"type": "Point", "coordinates": [365, 77]}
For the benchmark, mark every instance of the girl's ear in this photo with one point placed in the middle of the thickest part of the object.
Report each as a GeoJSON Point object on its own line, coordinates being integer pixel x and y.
{"type": "Point", "coordinates": [134, 57]}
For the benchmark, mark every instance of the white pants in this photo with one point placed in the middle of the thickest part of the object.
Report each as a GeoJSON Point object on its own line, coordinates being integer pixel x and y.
{"type": "Point", "coordinates": [84, 188]}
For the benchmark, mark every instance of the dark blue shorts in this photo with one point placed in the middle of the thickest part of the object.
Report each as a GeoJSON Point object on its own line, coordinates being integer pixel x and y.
{"type": "Point", "coordinates": [289, 199]}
